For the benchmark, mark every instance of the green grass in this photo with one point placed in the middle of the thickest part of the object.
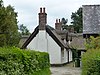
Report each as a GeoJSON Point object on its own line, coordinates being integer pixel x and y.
{"type": "Point", "coordinates": [43, 72]}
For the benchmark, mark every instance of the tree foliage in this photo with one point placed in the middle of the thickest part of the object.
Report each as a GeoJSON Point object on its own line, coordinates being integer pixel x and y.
{"type": "Point", "coordinates": [23, 30]}
{"type": "Point", "coordinates": [2, 40]}
{"type": "Point", "coordinates": [91, 59]}
{"type": "Point", "coordinates": [64, 24]}
{"type": "Point", "coordinates": [8, 24]}
{"type": "Point", "coordinates": [91, 62]}
{"type": "Point", "coordinates": [77, 20]}
{"type": "Point", "coordinates": [93, 43]}
{"type": "Point", "coordinates": [64, 21]}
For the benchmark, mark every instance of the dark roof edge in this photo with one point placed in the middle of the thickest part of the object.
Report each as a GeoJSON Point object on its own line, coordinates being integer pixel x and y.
{"type": "Point", "coordinates": [49, 31]}
{"type": "Point", "coordinates": [92, 5]}
{"type": "Point", "coordinates": [31, 37]}
{"type": "Point", "coordinates": [54, 37]}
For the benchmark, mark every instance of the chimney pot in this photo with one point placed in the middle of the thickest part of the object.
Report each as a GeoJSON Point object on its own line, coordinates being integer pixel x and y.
{"type": "Point", "coordinates": [40, 10]}
{"type": "Point", "coordinates": [56, 20]}
{"type": "Point", "coordinates": [59, 20]}
{"type": "Point", "coordinates": [42, 19]}
{"type": "Point", "coordinates": [43, 10]}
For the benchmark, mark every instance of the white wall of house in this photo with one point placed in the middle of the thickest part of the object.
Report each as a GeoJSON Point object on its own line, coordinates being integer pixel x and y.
{"type": "Point", "coordinates": [44, 43]}
{"type": "Point", "coordinates": [54, 51]}
{"type": "Point", "coordinates": [64, 56]}
{"type": "Point", "coordinates": [39, 43]}
{"type": "Point", "coordinates": [70, 55]}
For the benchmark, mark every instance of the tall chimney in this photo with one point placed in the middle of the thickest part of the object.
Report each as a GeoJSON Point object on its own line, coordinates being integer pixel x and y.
{"type": "Point", "coordinates": [42, 19]}
{"type": "Point", "coordinates": [58, 25]}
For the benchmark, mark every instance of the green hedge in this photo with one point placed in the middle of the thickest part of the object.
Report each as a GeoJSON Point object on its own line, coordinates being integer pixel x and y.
{"type": "Point", "coordinates": [91, 62]}
{"type": "Point", "coordinates": [14, 61]}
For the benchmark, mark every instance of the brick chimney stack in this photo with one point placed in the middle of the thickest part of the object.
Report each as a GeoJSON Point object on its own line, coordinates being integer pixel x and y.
{"type": "Point", "coordinates": [42, 19]}
{"type": "Point", "coordinates": [58, 25]}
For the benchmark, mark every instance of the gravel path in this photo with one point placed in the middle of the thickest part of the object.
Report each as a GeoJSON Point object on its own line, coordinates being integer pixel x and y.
{"type": "Point", "coordinates": [65, 70]}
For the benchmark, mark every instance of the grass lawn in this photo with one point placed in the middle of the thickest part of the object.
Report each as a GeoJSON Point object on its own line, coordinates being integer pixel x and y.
{"type": "Point", "coordinates": [43, 72]}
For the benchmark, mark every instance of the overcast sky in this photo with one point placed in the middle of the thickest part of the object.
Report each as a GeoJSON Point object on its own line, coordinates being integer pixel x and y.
{"type": "Point", "coordinates": [28, 10]}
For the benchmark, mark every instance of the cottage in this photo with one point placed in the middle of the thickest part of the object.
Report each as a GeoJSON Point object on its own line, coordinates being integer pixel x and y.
{"type": "Point", "coordinates": [47, 39]}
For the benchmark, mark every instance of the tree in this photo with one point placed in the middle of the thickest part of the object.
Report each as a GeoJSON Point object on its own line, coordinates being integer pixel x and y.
{"type": "Point", "coordinates": [1, 3]}
{"type": "Point", "coordinates": [64, 23]}
{"type": "Point", "coordinates": [8, 24]}
{"type": "Point", "coordinates": [23, 30]}
{"type": "Point", "coordinates": [65, 26]}
{"type": "Point", "coordinates": [92, 43]}
{"type": "Point", "coordinates": [77, 20]}
{"type": "Point", "coordinates": [2, 40]}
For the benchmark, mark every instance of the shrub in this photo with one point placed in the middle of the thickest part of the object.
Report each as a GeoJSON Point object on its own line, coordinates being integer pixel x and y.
{"type": "Point", "coordinates": [91, 59]}
{"type": "Point", "coordinates": [93, 43]}
{"type": "Point", "coordinates": [91, 62]}
{"type": "Point", "coordinates": [14, 61]}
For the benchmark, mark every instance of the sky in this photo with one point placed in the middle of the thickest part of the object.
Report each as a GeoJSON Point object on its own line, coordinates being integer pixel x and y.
{"type": "Point", "coordinates": [56, 9]}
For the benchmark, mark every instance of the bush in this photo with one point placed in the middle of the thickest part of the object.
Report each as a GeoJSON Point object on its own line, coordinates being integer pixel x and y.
{"type": "Point", "coordinates": [14, 61]}
{"type": "Point", "coordinates": [91, 62]}
{"type": "Point", "coordinates": [93, 43]}
{"type": "Point", "coordinates": [91, 59]}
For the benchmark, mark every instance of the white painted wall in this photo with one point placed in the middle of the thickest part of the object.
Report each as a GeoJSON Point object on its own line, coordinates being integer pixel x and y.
{"type": "Point", "coordinates": [70, 55]}
{"type": "Point", "coordinates": [44, 43]}
{"type": "Point", "coordinates": [39, 43]}
{"type": "Point", "coordinates": [65, 55]}
{"type": "Point", "coordinates": [70, 52]}
{"type": "Point", "coordinates": [62, 56]}
{"type": "Point", "coordinates": [54, 51]}
{"type": "Point", "coordinates": [65, 58]}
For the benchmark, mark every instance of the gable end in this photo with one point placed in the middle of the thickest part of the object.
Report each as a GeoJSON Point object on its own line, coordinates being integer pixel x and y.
{"type": "Point", "coordinates": [31, 37]}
